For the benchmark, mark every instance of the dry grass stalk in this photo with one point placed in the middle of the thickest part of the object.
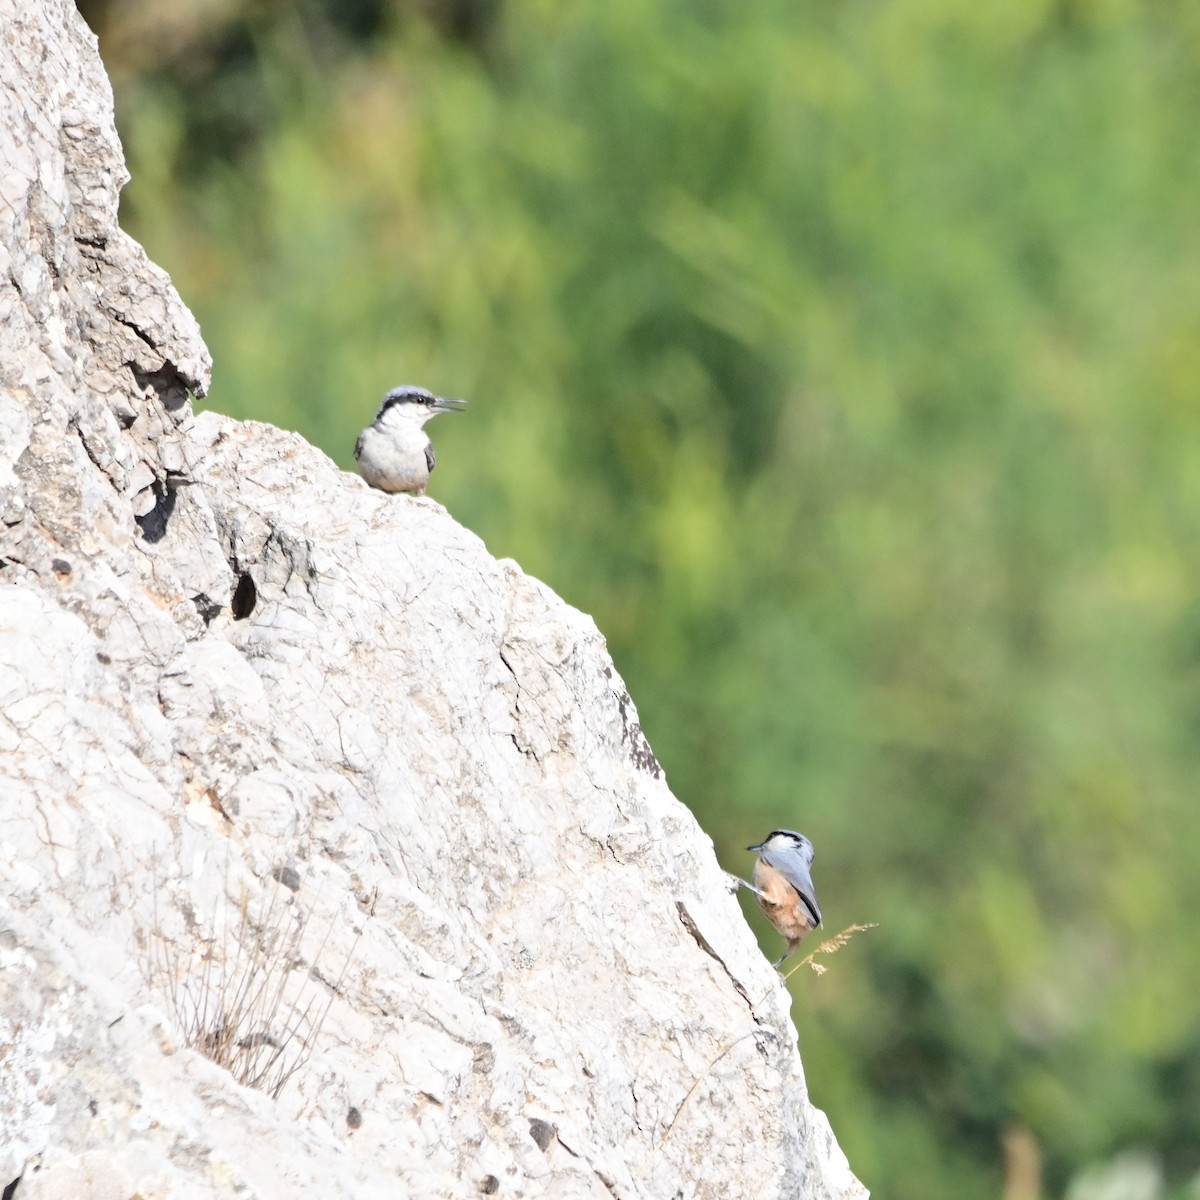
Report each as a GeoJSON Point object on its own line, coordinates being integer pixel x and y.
{"type": "Point", "coordinates": [662, 1141]}
{"type": "Point", "coordinates": [832, 946]}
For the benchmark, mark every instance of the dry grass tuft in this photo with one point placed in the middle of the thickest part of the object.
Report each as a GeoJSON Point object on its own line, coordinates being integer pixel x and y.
{"type": "Point", "coordinates": [255, 1006]}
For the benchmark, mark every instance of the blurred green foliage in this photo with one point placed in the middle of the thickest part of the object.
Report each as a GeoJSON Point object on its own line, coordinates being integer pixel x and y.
{"type": "Point", "coordinates": [842, 359]}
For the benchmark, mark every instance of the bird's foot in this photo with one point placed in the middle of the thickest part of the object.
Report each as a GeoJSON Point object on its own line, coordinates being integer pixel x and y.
{"type": "Point", "coordinates": [734, 882]}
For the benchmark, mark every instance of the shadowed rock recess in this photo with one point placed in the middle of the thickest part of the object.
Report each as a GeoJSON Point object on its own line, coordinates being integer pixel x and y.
{"type": "Point", "coordinates": [298, 770]}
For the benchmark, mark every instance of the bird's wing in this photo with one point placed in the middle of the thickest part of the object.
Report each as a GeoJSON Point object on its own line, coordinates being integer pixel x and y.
{"type": "Point", "coordinates": [795, 870]}
{"type": "Point", "coordinates": [358, 446]}
{"type": "Point", "coordinates": [430, 457]}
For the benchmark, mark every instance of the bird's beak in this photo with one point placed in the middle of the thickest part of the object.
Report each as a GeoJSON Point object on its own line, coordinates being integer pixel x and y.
{"type": "Point", "coordinates": [758, 847]}
{"type": "Point", "coordinates": [442, 404]}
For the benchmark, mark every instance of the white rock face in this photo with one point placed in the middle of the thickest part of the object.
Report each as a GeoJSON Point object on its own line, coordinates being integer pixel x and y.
{"type": "Point", "coordinates": [243, 697]}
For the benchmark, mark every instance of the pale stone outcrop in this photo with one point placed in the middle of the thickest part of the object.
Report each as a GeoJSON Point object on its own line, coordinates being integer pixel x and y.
{"type": "Point", "coordinates": [240, 690]}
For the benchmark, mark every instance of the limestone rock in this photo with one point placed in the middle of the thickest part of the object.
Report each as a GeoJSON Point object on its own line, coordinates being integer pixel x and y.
{"type": "Point", "coordinates": [263, 728]}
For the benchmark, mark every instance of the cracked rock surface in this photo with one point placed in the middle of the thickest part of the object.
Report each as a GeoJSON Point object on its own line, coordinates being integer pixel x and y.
{"type": "Point", "coordinates": [263, 727]}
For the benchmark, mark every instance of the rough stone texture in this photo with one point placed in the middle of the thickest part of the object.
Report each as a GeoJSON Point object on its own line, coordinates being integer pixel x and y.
{"type": "Point", "coordinates": [241, 692]}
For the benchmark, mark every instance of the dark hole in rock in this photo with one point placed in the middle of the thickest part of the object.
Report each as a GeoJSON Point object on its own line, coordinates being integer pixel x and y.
{"type": "Point", "coordinates": [207, 607]}
{"type": "Point", "coordinates": [542, 1132]}
{"type": "Point", "coordinates": [245, 597]}
{"type": "Point", "coordinates": [288, 876]}
{"type": "Point", "coordinates": [172, 391]}
{"type": "Point", "coordinates": [154, 523]}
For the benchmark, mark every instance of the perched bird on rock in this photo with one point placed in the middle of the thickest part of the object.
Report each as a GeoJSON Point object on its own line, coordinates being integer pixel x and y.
{"type": "Point", "coordinates": [394, 452]}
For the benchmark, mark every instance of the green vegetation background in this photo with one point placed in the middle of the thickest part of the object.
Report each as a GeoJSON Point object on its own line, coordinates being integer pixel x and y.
{"type": "Point", "coordinates": [841, 357]}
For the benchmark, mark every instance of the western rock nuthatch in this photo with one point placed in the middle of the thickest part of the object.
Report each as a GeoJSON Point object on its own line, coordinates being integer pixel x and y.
{"type": "Point", "coordinates": [394, 453]}
{"type": "Point", "coordinates": [784, 887]}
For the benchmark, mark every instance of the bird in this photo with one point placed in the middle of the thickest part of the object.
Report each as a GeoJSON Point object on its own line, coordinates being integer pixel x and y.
{"type": "Point", "coordinates": [784, 887]}
{"type": "Point", "coordinates": [394, 452]}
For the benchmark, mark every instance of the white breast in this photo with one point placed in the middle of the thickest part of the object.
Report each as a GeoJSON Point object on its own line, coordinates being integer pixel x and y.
{"type": "Point", "coordinates": [394, 460]}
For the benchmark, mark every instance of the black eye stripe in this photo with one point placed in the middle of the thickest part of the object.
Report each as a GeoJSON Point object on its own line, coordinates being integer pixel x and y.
{"type": "Point", "coordinates": [392, 399]}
